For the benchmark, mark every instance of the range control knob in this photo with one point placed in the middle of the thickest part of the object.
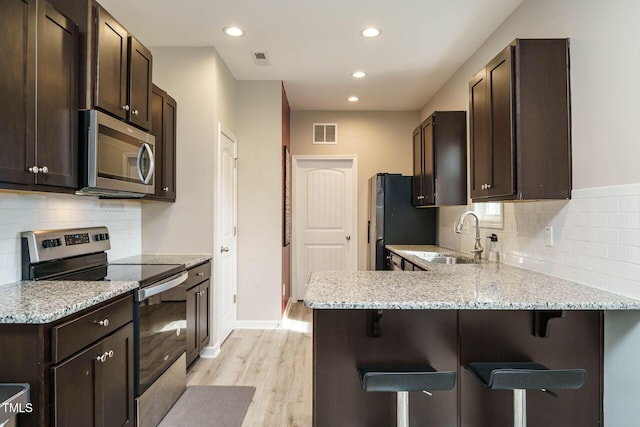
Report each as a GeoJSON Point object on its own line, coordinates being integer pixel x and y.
{"type": "Point", "coordinates": [102, 236]}
{"type": "Point", "coordinates": [51, 243]}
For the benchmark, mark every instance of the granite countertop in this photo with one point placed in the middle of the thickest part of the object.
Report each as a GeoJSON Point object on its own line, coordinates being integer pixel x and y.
{"type": "Point", "coordinates": [40, 302]}
{"type": "Point", "coordinates": [484, 286]}
{"type": "Point", "coordinates": [189, 260]}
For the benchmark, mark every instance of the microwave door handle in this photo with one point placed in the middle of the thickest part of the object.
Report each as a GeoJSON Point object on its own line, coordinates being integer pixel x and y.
{"type": "Point", "coordinates": [152, 163]}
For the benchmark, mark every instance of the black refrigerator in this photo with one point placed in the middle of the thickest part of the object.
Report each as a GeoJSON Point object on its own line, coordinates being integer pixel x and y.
{"type": "Point", "coordinates": [393, 220]}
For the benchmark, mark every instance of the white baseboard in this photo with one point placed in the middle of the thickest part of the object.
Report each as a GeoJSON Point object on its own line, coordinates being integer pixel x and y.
{"type": "Point", "coordinates": [210, 351]}
{"type": "Point", "coordinates": [258, 324]}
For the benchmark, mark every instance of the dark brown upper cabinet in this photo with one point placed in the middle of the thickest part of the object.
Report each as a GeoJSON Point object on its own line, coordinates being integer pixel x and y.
{"type": "Point", "coordinates": [38, 96]}
{"type": "Point", "coordinates": [122, 72]}
{"type": "Point", "coordinates": [440, 160]}
{"type": "Point", "coordinates": [520, 123]}
{"type": "Point", "coordinates": [163, 128]}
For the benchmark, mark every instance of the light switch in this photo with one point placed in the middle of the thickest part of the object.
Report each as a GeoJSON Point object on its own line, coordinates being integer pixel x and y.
{"type": "Point", "coordinates": [548, 235]}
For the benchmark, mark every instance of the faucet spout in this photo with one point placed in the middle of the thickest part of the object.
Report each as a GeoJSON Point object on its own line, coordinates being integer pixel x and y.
{"type": "Point", "coordinates": [477, 247]}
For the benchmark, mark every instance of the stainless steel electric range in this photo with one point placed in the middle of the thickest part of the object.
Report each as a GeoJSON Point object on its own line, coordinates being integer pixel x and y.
{"type": "Point", "coordinates": [159, 313]}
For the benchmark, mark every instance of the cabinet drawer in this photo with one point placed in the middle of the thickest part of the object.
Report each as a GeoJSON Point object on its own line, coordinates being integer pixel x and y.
{"type": "Point", "coordinates": [73, 335]}
{"type": "Point", "coordinates": [198, 274]}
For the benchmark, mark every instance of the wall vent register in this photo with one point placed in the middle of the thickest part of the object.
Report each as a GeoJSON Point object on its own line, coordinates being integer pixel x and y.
{"type": "Point", "coordinates": [325, 133]}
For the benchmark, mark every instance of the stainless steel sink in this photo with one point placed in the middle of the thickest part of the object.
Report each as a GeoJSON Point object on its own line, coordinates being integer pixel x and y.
{"type": "Point", "coordinates": [441, 258]}
{"type": "Point", "coordinates": [449, 259]}
{"type": "Point", "coordinates": [13, 399]}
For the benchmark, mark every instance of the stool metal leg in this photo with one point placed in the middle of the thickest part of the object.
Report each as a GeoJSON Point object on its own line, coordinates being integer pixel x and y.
{"type": "Point", "coordinates": [402, 409]}
{"type": "Point", "coordinates": [519, 408]}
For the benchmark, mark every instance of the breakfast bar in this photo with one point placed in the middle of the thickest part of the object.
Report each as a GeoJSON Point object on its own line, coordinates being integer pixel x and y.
{"type": "Point", "coordinates": [447, 317]}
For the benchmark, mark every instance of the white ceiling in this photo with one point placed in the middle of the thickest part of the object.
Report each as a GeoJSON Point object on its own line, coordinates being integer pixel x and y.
{"type": "Point", "coordinates": [314, 45]}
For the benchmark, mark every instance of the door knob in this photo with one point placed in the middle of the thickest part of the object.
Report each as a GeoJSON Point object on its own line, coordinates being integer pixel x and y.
{"type": "Point", "coordinates": [224, 249]}
{"type": "Point", "coordinates": [348, 237]}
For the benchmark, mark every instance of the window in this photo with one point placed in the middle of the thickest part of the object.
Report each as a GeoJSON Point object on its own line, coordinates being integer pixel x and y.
{"type": "Point", "coordinates": [489, 214]}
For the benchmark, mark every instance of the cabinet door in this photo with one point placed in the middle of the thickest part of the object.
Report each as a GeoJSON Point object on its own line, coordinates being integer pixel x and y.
{"type": "Point", "coordinates": [111, 65]}
{"type": "Point", "coordinates": [192, 324]}
{"type": "Point", "coordinates": [501, 125]}
{"type": "Point", "coordinates": [139, 99]}
{"type": "Point", "coordinates": [76, 390]}
{"type": "Point", "coordinates": [417, 167]}
{"type": "Point", "coordinates": [163, 127]}
{"type": "Point", "coordinates": [428, 166]}
{"type": "Point", "coordinates": [169, 149]}
{"type": "Point", "coordinates": [57, 145]}
{"type": "Point", "coordinates": [480, 147]}
{"type": "Point", "coordinates": [157, 130]}
{"type": "Point", "coordinates": [117, 378]}
{"type": "Point", "coordinates": [203, 314]}
{"type": "Point", "coordinates": [17, 90]}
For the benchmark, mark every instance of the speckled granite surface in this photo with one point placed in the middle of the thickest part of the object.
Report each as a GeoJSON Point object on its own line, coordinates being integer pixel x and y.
{"type": "Point", "coordinates": [46, 301]}
{"type": "Point", "coordinates": [189, 260]}
{"type": "Point", "coordinates": [485, 286]}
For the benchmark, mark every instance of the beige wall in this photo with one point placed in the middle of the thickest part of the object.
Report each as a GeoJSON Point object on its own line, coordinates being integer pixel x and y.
{"type": "Point", "coordinates": [205, 92]}
{"type": "Point", "coordinates": [259, 133]}
{"type": "Point", "coordinates": [381, 140]}
{"type": "Point", "coordinates": [200, 82]}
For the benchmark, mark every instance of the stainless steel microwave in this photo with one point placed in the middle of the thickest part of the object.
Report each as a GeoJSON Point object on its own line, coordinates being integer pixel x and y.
{"type": "Point", "coordinates": [117, 159]}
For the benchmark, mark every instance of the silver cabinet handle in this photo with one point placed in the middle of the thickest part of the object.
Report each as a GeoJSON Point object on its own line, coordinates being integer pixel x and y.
{"type": "Point", "coordinates": [348, 237]}
{"type": "Point", "coordinates": [224, 249]}
{"type": "Point", "coordinates": [102, 358]}
{"type": "Point", "coordinates": [125, 107]}
{"type": "Point", "coordinates": [135, 112]}
{"type": "Point", "coordinates": [200, 274]}
{"type": "Point", "coordinates": [104, 322]}
{"type": "Point", "coordinates": [110, 354]}
{"type": "Point", "coordinates": [43, 169]}
{"type": "Point", "coordinates": [165, 188]}
{"type": "Point", "coordinates": [33, 169]}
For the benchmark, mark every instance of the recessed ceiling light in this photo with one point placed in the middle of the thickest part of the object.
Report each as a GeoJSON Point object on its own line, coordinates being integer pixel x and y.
{"type": "Point", "coordinates": [358, 74]}
{"type": "Point", "coordinates": [233, 31]}
{"type": "Point", "coordinates": [353, 99]}
{"type": "Point", "coordinates": [370, 32]}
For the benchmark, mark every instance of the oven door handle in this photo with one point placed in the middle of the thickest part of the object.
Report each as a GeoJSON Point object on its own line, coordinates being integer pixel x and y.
{"type": "Point", "coordinates": [170, 283]}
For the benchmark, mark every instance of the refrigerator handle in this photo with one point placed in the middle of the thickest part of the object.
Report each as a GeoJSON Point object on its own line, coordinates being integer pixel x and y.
{"type": "Point", "coordinates": [368, 232]}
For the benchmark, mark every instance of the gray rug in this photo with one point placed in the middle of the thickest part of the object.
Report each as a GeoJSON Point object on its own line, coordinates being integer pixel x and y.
{"type": "Point", "coordinates": [219, 406]}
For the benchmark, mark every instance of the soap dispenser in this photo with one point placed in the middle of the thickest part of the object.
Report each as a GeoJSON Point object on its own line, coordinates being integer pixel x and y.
{"type": "Point", "coordinates": [494, 254]}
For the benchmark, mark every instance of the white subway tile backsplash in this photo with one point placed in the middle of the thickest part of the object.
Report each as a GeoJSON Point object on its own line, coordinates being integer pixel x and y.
{"type": "Point", "coordinates": [596, 237]}
{"type": "Point", "coordinates": [26, 211]}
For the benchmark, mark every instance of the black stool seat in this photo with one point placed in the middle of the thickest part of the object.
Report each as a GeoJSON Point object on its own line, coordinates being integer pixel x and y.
{"type": "Point", "coordinates": [525, 376]}
{"type": "Point", "coordinates": [405, 378]}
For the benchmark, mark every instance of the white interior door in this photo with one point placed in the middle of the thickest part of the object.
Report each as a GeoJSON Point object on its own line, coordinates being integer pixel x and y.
{"type": "Point", "coordinates": [324, 217]}
{"type": "Point", "coordinates": [226, 254]}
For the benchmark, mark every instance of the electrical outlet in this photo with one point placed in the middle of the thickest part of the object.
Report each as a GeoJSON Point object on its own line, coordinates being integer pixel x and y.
{"type": "Point", "coordinates": [548, 235]}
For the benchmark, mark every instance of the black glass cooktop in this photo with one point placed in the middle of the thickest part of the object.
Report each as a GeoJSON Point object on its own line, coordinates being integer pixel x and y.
{"type": "Point", "coordinates": [145, 274]}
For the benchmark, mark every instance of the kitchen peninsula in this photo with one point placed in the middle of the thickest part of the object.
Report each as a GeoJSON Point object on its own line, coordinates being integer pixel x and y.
{"type": "Point", "coordinates": [449, 316]}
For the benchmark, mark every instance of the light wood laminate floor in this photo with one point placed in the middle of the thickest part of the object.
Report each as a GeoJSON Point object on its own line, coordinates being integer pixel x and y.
{"type": "Point", "coordinates": [277, 362]}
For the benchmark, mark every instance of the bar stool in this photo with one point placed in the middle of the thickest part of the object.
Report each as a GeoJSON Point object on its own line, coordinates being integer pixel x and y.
{"type": "Point", "coordinates": [523, 376]}
{"type": "Point", "coordinates": [403, 379]}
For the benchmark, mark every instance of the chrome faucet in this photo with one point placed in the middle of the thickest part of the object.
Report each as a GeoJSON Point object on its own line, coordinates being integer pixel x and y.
{"type": "Point", "coordinates": [477, 248]}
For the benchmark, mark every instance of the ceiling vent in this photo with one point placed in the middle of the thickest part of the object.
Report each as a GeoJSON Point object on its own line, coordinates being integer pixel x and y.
{"type": "Point", "coordinates": [260, 58]}
{"type": "Point", "coordinates": [325, 133]}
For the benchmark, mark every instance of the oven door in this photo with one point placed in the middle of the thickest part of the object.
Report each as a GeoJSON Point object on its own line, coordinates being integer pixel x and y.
{"type": "Point", "coordinates": [120, 157]}
{"type": "Point", "coordinates": [160, 336]}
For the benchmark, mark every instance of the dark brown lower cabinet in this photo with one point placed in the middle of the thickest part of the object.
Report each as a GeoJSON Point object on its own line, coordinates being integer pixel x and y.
{"type": "Point", "coordinates": [95, 387]}
{"type": "Point", "coordinates": [80, 372]}
{"type": "Point", "coordinates": [448, 340]}
{"type": "Point", "coordinates": [198, 310]}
